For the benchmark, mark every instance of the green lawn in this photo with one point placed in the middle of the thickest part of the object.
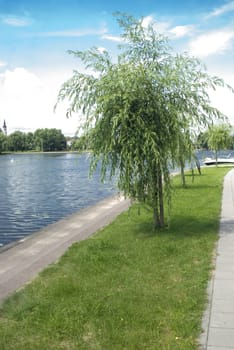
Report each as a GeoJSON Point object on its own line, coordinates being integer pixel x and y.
{"type": "Point", "coordinates": [127, 287]}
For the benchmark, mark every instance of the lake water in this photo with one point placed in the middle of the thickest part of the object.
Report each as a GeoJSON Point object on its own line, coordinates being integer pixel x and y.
{"type": "Point", "coordinates": [39, 189]}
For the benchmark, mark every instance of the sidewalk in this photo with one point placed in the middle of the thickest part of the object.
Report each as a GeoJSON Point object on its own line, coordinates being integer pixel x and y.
{"type": "Point", "coordinates": [23, 261]}
{"type": "Point", "coordinates": [219, 318]}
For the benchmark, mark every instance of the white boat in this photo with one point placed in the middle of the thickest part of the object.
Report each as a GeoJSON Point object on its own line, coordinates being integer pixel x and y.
{"type": "Point", "coordinates": [212, 161]}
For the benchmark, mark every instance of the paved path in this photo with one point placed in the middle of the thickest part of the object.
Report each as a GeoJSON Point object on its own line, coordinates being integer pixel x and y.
{"type": "Point", "coordinates": [22, 262]}
{"type": "Point", "coordinates": [219, 319]}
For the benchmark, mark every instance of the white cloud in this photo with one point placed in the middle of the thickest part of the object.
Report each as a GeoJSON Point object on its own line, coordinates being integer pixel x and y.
{"type": "Point", "coordinates": [223, 98]}
{"type": "Point", "coordinates": [16, 21]}
{"type": "Point", "coordinates": [164, 27]}
{"type": "Point", "coordinates": [161, 27]}
{"type": "Point", "coordinates": [224, 101]}
{"type": "Point", "coordinates": [70, 33]}
{"type": "Point", "coordinates": [113, 38]}
{"type": "Point", "coordinates": [19, 82]}
{"type": "Point", "coordinates": [27, 101]}
{"type": "Point", "coordinates": [221, 10]}
{"type": "Point", "coordinates": [215, 42]}
{"type": "Point", "coordinates": [101, 49]}
{"type": "Point", "coordinates": [146, 21]}
{"type": "Point", "coordinates": [2, 63]}
{"type": "Point", "coordinates": [182, 31]}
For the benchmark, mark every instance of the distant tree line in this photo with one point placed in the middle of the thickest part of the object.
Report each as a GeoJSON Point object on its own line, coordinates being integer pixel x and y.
{"type": "Point", "coordinates": [44, 140]}
{"type": "Point", "coordinates": [214, 138]}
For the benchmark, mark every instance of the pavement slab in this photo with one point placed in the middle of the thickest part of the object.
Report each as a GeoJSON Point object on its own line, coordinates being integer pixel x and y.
{"type": "Point", "coordinates": [218, 320]}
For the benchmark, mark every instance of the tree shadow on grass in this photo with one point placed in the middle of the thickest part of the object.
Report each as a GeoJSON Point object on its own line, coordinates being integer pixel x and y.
{"type": "Point", "coordinates": [190, 226]}
{"type": "Point", "coordinates": [193, 186]}
{"type": "Point", "coordinates": [181, 227]}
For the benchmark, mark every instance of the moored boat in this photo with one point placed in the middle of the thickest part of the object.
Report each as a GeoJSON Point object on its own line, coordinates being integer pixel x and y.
{"type": "Point", "coordinates": [212, 161]}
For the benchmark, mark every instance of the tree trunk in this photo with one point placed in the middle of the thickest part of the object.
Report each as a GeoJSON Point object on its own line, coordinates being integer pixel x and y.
{"type": "Point", "coordinates": [156, 217]}
{"type": "Point", "coordinates": [158, 208]}
{"type": "Point", "coordinates": [182, 173]}
{"type": "Point", "coordinates": [198, 165]}
{"type": "Point", "coordinates": [161, 201]}
{"type": "Point", "coordinates": [216, 158]}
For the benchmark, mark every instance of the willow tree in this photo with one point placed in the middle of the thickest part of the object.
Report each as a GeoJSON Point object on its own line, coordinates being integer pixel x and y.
{"type": "Point", "coordinates": [219, 138]}
{"type": "Point", "coordinates": [136, 108]}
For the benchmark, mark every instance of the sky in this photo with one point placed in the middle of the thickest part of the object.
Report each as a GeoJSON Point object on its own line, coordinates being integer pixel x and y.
{"type": "Point", "coordinates": [35, 37]}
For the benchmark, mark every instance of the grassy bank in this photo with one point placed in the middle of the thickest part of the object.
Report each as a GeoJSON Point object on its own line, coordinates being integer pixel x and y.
{"type": "Point", "coordinates": [126, 287]}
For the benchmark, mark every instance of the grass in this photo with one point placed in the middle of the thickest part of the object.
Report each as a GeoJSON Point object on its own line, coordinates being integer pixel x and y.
{"type": "Point", "coordinates": [127, 287]}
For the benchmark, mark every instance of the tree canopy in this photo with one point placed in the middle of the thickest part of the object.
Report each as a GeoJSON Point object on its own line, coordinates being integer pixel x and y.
{"type": "Point", "coordinates": [141, 110]}
{"type": "Point", "coordinates": [219, 138]}
{"type": "Point", "coordinates": [49, 140]}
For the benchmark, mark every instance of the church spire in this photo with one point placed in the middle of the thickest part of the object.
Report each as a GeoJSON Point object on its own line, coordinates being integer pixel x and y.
{"type": "Point", "coordinates": [5, 127]}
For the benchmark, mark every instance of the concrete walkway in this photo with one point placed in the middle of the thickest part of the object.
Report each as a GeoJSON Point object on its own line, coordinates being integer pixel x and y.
{"type": "Point", "coordinates": [219, 318]}
{"type": "Point", "coordinates": [23, 261]}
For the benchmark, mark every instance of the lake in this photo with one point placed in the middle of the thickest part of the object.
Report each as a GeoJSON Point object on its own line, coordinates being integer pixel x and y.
{"type": "Point", "coordinates": [39, 189]}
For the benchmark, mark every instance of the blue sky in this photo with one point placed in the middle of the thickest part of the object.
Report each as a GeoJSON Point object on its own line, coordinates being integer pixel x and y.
{"type": "Point", "coordinates": [35, 35]}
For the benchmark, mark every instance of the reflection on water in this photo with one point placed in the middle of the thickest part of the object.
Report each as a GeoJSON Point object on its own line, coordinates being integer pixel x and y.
{"type": "Point", "coordinates": [38, 189]}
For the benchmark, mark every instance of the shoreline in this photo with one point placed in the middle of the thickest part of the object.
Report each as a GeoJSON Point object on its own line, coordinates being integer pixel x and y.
{"type": "Point", "coordinates": [29, 236]}
{"type": "Point", "coordinates": [41, 152]}
{"type": "Point", "coordinates": [22, 261]}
